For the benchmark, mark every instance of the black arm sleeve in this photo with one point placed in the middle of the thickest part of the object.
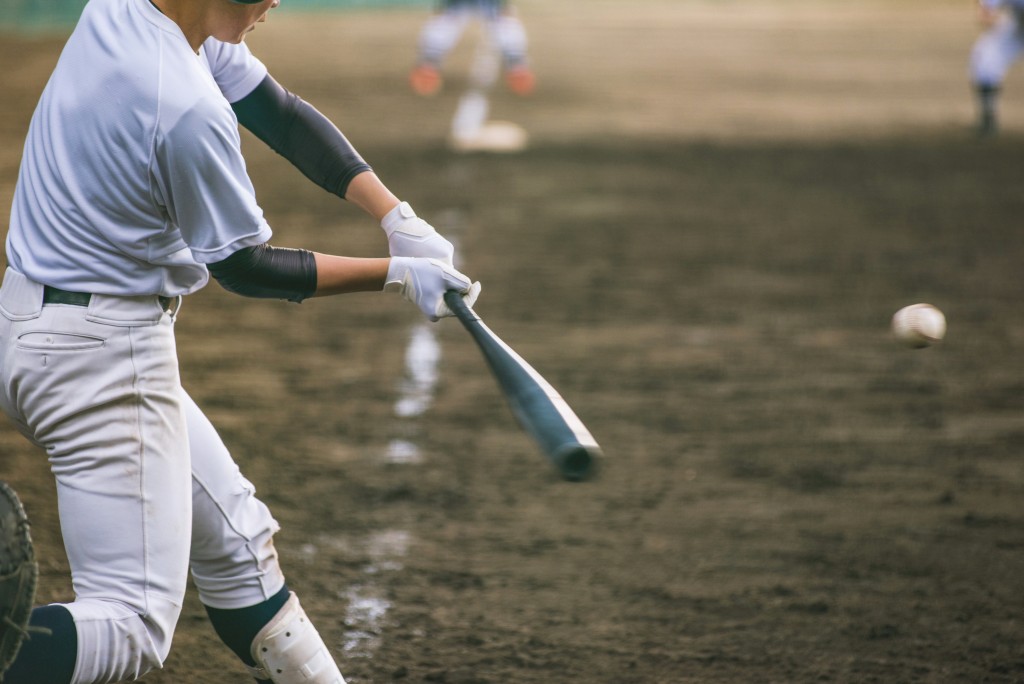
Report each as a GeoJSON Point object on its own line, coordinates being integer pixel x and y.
{"type": "Point", "coordinates": [298, 132]}
{"type": "Point", "coordinates": [268, 273]}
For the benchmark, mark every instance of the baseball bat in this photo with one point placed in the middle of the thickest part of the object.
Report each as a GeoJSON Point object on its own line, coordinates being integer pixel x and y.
{"type": "Point", "coordinates": [540, 410]}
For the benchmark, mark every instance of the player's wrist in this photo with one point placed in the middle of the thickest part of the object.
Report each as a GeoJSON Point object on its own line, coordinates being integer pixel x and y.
{"type": "Point", "coordinates": [398, 217]}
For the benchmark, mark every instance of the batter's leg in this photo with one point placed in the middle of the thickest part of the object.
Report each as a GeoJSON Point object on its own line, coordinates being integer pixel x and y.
{"type": "Point", "coordinates": [117, 450]}
{"type": "Point", "coordinates": [236, 571]}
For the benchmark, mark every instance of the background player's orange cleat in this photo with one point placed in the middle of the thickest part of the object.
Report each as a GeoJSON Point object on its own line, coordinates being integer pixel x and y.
{"type": "Point", "coordinates": [425, 80]}
{"type": "Point", "coordinates": [520, 80]}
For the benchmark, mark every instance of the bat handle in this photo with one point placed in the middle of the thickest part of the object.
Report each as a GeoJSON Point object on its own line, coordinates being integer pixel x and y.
{"type": "Point", "coordinates": [458, 306]}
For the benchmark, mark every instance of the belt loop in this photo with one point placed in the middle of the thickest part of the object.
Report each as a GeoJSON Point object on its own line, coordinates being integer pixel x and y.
{"type": "Point", "coordinates": [174, 307]}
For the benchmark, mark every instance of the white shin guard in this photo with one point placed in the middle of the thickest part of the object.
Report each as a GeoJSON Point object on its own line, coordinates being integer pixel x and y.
{"type": "Point", "coordinates": [289, 650]}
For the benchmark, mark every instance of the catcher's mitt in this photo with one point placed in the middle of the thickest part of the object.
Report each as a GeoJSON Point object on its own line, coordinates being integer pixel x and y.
{"type": "Point", "coordinates": [18, 573]}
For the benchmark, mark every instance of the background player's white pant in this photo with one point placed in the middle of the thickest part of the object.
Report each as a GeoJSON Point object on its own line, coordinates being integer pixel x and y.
{"type": "Point", "coordinates": [442, 31]}
{"type": "Point", "coordinates": [142, 477]}
{"type": "Point", "coordinates": [995, 50]}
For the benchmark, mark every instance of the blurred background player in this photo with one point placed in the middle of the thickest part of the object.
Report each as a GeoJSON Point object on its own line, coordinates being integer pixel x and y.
{"type": "Point", "coordinates": [502, 49]}
{"type": "Point", "coordinates": [995, 50]}
{"type": "Point", "coordinates": [443, 30]}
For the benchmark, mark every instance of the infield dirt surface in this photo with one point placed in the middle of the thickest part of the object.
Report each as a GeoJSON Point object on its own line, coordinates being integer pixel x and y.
{"type": "Point", "coordinates": [720, 208]}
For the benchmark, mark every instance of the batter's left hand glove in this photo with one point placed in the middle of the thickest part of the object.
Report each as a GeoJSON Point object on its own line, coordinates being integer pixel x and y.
{"type": "Point", "coordinates": [424, 282]}
{"type": "Point", "coordinates": [18, 573]}
{"type": "Point", "coordinates": [411, 236]}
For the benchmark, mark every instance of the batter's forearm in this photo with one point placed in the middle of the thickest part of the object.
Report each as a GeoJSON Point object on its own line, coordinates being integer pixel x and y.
{"type": "Point", "coordinates": [268, 272]}
{"type": "Point", "coordinates": [341, 275]}
{"type": "Point", "coordinates": [368, 192]}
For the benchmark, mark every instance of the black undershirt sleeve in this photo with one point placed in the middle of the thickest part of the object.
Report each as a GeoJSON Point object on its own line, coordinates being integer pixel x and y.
{"type": "Point", "coordinates": [298, 132]}
{"type": "Point", "coordinates": [268, 273]}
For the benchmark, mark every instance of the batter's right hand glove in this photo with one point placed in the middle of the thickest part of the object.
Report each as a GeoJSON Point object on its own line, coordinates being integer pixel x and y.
{"type": "Point", "coordinates": [18, 573]}
{"type": "Point", "coordinates": [424, 282]}
{"type": "Point", "coordinates": [411, 236]}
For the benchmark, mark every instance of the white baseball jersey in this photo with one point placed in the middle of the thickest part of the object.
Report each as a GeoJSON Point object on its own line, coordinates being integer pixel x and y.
{"type": "Point", "coordinates": [132, 137]}
{"type": "Point", "coordinates": [997, 48]}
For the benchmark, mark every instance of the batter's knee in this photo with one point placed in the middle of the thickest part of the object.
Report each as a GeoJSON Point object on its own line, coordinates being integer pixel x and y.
{"type": "Point", "coordinates": [233, 559]}
{"type": "Point", "coordinates": [117, 643]}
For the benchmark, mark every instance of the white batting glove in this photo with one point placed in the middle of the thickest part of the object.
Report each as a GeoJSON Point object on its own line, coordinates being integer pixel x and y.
{"type": "Point", "coordinates": [424, 282]}
{"type": "Point", "coordinates": [411, 236]}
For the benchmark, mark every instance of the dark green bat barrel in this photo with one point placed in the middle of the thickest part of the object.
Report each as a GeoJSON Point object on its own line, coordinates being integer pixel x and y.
{"type": "Point", "coordinates": [533, 408]}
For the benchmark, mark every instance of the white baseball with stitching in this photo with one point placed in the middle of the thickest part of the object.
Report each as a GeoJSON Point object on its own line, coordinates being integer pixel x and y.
{"type": "Point", "coordinates": [919, 325]}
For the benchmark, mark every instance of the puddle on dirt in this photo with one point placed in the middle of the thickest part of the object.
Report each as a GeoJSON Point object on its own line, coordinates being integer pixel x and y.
{"type": "Point", "coordinates": [416, 392]}
{"type": "Point", "coordinates": [368, 605]}
{"type": "Point", "coordinates": [404, 452]}
{"type": "Point", "coordinates": [364, 620]}
{"type": "Point", "coordinates": [367, 602]}
{"type": "Point", "coordinates": [422, 356]}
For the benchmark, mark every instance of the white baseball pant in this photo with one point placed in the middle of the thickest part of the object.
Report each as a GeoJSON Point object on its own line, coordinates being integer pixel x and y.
{"type": "Point", "coordinates": [145, 486]}
{"type": "Point", "coordinates": [442, 31]}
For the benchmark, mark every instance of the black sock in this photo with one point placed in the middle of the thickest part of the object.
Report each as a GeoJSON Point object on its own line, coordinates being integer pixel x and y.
{"type": "Point", "coordinates": [987, 97]}
{"type": "Point", "coordinates": [238, 627]}
{"type": "Point", "coordinates": [45, 657]}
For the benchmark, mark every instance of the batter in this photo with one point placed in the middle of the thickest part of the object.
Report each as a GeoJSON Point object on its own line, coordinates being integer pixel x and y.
{"type": "Point", "coordinates": [132, 191]}
{"type": "Point", "coordinates": [995, 50]}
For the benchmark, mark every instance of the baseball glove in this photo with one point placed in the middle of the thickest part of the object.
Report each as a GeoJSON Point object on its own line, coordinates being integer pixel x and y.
{"type": "Point", "coordinates": [18, 573]}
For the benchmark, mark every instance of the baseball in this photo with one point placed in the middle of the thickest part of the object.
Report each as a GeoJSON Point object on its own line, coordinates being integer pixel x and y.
{"type": "Point", "coordinates": [919, 325]}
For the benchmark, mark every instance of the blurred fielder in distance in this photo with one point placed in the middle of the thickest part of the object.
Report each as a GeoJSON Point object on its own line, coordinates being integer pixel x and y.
{"type": "Point", "coordinates": [443, 30]}
{"type": "Point", "coordinates": [994, 51]}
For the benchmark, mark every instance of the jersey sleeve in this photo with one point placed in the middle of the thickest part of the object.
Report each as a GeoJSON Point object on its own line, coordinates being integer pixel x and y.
{"type": "Point", "coordinates": [201, 180]}
{"type": "Point", "coordinates": [235, 69]}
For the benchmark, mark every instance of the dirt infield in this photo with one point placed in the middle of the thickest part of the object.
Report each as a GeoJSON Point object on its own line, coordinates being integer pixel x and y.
{"type": "Point", "coordinates": [721, 206]}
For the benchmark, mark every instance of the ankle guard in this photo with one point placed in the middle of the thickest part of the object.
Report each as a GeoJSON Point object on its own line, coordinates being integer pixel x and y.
{"type": "Point", "coordinates": [289, 650]}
